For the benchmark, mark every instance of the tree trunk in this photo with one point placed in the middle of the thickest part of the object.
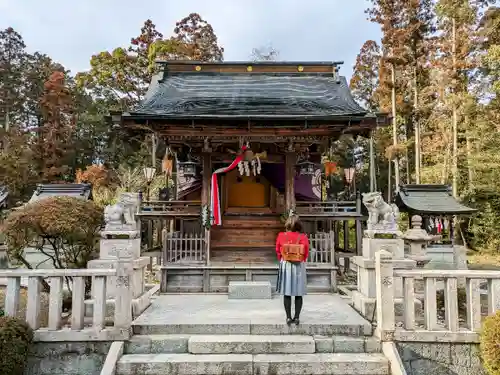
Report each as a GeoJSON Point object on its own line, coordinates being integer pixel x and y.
{"type": "Point", "coordinates": [407, 157]}
{"type": "Point", "coordinates": [470, 171]}
{"type": "Point", "coordinates": [153, 150]}
{"type": "Point", "coordinates": [454, 114]}
{"type": "Point", "coordinates": [444, 174]}
{"type": "Point", "coordinates": [7, 120]}
{"type": "Point", "coordinates": [394, 127]}
{"type": "Point", "coordinates": [389, 182]}
{"type": "Point", "coordinates": [416, 124]}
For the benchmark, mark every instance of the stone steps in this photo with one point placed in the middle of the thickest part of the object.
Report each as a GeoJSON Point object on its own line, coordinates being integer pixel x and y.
{"type": "Point", "coordinates": [249, 344]}
{"type": "Point", "coordinates": [239, 327]}
{"type": "Point", "coordinates": [217, 335]}
{"type": "Point", "coordinates": [249, 364]}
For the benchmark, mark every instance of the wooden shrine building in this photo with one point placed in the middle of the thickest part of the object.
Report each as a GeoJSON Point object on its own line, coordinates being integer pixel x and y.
{"type": "Point", "coordinates": [435, 204]}
{"type": "Point", "coordinates": [254, 132]}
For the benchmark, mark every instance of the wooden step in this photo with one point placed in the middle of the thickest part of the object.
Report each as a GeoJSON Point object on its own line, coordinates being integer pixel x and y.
{"type": "Point", "coordinates": [252, 222]}
{"type": "Point", "coordinates": [231, 234]}
{"type": "Point", "coordinates": [242, 244]}
{"type": "Point", "coordinates": [264, 255]}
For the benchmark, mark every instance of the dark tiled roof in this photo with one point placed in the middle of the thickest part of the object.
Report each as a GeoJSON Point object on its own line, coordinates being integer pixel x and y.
{"type": "Point", "coordinates": [257, 95]}
{"type": "Point", "coordinates": [430, 200]}
{"type": "Point", "coordinates": [83, 191]}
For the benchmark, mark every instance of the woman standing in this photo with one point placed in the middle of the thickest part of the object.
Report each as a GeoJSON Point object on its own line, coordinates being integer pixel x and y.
{"type": "Point", "coordinates": [292, 280]}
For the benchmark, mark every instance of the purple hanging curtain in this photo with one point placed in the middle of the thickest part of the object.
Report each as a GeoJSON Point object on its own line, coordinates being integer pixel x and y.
{"type": "Point", "coordinates": [307, 188]}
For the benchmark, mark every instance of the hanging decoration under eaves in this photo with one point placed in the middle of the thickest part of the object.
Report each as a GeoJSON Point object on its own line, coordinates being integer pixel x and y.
{"type": "Point", "coordinates": [188, 168]}
{"type": "Point", "coordinates": [167, 163]}
{"type": "Point", "coordinates": [305, 166]}
{"type": "Point", "coordinates": [251, 163]}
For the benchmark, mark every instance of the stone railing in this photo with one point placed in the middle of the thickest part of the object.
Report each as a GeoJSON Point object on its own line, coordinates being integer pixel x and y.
{"type": "Point", "coordinates": [75, 326]}
{"type": "Point", "coordinates": [435, 326]}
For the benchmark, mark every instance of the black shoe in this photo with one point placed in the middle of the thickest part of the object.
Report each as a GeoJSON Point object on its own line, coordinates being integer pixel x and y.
{"type": "Point", "coordinates": [289, 321]}
{"type": "Point", "coordinates": [296, 321]}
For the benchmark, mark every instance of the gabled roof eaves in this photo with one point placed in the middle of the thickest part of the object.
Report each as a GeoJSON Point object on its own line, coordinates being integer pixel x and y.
{"type": "Point", "coordinates": [429, 199]}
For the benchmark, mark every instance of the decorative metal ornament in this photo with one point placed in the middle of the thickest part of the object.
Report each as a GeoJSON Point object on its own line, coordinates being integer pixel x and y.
{"type": "Point", "coordinates": [249, 68]}
{"type": "Point", "coordinates": [306, 167]}
{"type": "Point", "coordinates": [300, 68]}
{"type": "Point", "coordinates": [188, 168]}
{"type": "Point", "coordinates": [198, 68]}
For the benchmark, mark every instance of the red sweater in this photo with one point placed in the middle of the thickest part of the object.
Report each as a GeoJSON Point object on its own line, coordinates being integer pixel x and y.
{"type": "Point", "coordinates": [291, 237]}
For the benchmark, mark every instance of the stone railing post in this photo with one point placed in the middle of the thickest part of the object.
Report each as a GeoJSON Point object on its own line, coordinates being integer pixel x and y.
{"type": "Point", "coordinates": [386, 315]}
{"type": "Point", "coordinates": [123, 298]}
{"type": "Point", "coordinates": [359, 229]}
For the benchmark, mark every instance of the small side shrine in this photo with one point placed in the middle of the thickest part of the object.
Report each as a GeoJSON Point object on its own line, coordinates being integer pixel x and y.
{"type": "Point", "coordinates": [437, 207]}
{"type": "Point", "coordinates": [82, 191]}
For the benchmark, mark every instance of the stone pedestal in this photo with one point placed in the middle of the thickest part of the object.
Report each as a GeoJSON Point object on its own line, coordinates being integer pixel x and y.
{"type": "Point", "coordinates": [395, 246]}
{"type": "Point", "coordinates": [114, 248]}
{"type": "Point", "coordinates": [365, 296]}
{"type": "Point", "coordinates": [124, 245]}
{"type": "Point", "coordinates": [137, 282]}
{"type": "Point", "coordinates": [249, 290]}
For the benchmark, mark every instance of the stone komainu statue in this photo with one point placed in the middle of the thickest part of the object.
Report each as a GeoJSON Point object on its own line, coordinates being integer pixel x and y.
{"type": "Point", "coordinates": [381, 215]}
{"type": "Point", "coordinates": [121, 215]}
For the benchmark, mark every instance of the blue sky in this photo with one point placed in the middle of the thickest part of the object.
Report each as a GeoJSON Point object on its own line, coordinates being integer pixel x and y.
{"type": "Point", "coordinates": [314, 30]}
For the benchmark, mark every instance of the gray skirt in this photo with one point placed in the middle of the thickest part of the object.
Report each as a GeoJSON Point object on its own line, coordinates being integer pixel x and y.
{"type": "Point", "coordinates": [292, 279]}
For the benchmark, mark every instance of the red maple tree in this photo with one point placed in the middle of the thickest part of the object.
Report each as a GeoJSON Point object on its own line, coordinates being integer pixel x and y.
{"type": "Point", "coordinates": [54, 141]}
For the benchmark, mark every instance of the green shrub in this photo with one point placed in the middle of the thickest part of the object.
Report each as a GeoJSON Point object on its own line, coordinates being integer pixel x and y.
{"type": "Point", "coordinates": [16, 337]}
{"type": "Point", "coordinates": [64, 229]}
{"type": "Point", "coordinates": [490, 344]}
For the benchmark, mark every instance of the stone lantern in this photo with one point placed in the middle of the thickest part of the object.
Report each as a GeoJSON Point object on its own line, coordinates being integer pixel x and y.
{"type": "Point", "coordinates": [418, 239]}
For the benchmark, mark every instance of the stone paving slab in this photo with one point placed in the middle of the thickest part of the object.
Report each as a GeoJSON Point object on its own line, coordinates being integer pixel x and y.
{"type": "Point", "coordinates": [185, 364]}
{"type": "Point", "coordinates": [247, 364]}
{"type": "Point", "coordinates": [250, 344]}
{"type": "Point", "coordinates": [322, 314]}
{"type": "Point", "coordinates": [337, 363]}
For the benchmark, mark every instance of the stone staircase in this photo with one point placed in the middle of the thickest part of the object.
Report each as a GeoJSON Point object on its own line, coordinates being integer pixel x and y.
{"type": "Point", "coordinates": [260, 349]}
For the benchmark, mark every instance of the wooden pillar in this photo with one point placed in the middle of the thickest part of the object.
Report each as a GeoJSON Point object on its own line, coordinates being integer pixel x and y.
{"type": "Point", "coordinates": [290, 161]}
{"type": "Point", "coordinates": [205, 196]}
{"type": "Point", "coordinates": [346, 235]}
{"type": "Point", "coordinates": [451, 225]}
{"type": "Point", "coordinates": [336, 230]}
{"type": "Point", "coordinates": [207, 175]}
